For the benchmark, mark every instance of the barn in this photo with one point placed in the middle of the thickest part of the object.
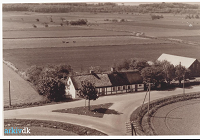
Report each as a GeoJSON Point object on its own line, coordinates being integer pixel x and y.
{"type": "Point", "coordinates": [107, 83]}
{"type": "Point", "coordinates": [190, 63]}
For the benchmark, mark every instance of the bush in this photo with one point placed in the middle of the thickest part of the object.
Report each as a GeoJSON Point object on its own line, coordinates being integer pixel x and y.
{"type": "Point", "coordinates": [33, 74]}
{"type": "Point", "coordinates": [34, 26]}
{"type": "Point", "coordinates": [79, 22]}
{"type": "Point", "coordinates": [122, 20]}
{"type": "Point", "coordinates": [52, 88]}
{"type": "Point", "coordinates": [156, 17]}
{"type": "Point", "coordinates": [114, 20]}
{"type": "Point", "coordinates": [48, 80]}
{"type": "Point", "coordinates": [46, 25]}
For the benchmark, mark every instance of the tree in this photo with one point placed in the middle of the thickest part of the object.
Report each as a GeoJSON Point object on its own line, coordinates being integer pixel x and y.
{"type": "Point", "coordinates": [48, 80]}
{"type": "Point", "coordinates": [168, 70]}
{"type": "Point", "coordinates": [153, 74]}
{"type": "Point", "coordinates": [52, 88]}
{"type": "Point", "coordinates": [138, 64]}
{"type": "Point", "coordinates": [181, 72]}
{"type": "Point", "coordinates": [132, 64]}
{"type": "Point", "coordinates": [33, 73]}
{"type": "Point", "coordinates": [88, 92]}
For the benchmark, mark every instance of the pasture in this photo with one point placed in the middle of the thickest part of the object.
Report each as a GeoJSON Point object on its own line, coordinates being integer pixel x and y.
{"type": "Point", "coordinates": [103, 56]}
{"type": "Point", "coordinates": [100, 44]}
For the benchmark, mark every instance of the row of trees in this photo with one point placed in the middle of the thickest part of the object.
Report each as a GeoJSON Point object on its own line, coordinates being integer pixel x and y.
{"type": "Point", "coordinates": [103, 7]}
{"type": "Point", "coordinates": [156, 72]}
{"type": "Point", "coordinates": [49, 80]}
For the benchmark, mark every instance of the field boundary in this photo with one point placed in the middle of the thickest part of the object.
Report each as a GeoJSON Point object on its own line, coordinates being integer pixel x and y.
{"type": "Point", "coordinates": [12, 66]}
{"type": "Point", "coordinates": [142, 119]}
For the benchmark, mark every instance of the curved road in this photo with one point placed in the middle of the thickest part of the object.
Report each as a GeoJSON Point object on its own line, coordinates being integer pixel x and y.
{"type": "Point", "coordinates": [110, 124]}
{"type": "Point", "coordinates": [180, 118]}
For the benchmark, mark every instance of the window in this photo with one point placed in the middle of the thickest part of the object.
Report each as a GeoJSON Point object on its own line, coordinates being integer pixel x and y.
{"type": "Point", "coordinates": [129, 87]}
{"type": "Point", "coordinates": [124, 87]}
{"type": "Point", "coordinates": [118, 88]}
{"type": "Point", "coordinates": [113, 88]}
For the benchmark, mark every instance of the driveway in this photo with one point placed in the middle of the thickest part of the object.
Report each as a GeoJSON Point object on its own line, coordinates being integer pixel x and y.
{"type": "Point", "coordinates": [110, 124]}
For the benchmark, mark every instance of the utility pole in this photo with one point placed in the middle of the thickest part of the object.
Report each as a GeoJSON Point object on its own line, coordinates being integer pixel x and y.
{"type": "Point", "coordinates": [184, 84]}
{"type": "Point", "coordinates": [9, 95]}
{"type": "Point", "coordinates": [149, 97]}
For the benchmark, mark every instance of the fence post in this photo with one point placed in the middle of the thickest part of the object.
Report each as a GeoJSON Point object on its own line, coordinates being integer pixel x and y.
{"type": "Point", "coordinates": [9, 95]}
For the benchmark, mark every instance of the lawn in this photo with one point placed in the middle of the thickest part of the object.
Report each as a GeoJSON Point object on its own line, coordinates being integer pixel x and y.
{"type": "Point", "coordinates": [103, 56]}
{"type": "Point", "coordinates": [95, 110]}
{"type": "Point", "coordinates": [44, 128]}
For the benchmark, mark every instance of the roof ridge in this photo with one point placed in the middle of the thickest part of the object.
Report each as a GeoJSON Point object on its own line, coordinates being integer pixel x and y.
{"type": "Point", "coordinates": [179, 56]}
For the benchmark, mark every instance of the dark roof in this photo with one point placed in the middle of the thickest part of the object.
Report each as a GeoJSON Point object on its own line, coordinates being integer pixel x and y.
{"type": "Point", "coordinates": [107, 80]}
{"type": "Point", "coordinates": [100, 80]}
{"type": "Point", "coordinates": [125, 78]}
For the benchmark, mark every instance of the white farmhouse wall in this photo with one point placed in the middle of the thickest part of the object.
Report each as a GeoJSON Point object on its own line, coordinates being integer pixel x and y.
{"type": "Point", "coordinates": [70, 89]}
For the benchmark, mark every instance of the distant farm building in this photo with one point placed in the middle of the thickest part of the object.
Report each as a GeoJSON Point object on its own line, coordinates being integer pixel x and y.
{"type": "Point", "coordinates": [190, 63]}
{"type": "Point", "coordinates": [107, 83]}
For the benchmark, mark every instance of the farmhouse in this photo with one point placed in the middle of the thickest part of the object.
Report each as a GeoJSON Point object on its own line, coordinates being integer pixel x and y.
{"type": "Point", "coordinates": [190, 63]}
{"type": "Point", "coordinates": [107, 83]}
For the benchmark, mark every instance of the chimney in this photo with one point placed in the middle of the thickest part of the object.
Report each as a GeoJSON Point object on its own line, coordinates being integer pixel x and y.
{"type": "Point", "coordinates": [113, 69]}
{"type": "Point", "coordinates": [91, 71]}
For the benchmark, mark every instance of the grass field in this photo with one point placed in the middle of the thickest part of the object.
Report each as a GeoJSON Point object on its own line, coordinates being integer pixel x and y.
{"type": "Point", "coordinates": [77, 41]}
{"type": "Point", "coordinates": [101, 43]}
{"type": "Point", "coordinates": [20, 90]}
{"type": "Point", "coordinates": [85, 57]}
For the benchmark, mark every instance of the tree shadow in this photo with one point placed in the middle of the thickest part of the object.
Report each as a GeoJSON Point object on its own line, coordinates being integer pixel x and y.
{"type": "Point", "coordinates": [106, 111]}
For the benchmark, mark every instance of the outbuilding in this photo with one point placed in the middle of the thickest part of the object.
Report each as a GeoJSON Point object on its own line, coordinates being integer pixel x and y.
{"type": "Point", "coordinates": [190, 63]}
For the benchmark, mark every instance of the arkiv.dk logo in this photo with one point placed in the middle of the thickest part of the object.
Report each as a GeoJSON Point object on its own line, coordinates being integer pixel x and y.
{"type": "Point", "coordinates": [26, 130]}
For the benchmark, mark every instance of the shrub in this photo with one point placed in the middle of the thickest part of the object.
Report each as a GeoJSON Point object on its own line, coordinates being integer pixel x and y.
{"type": "Point", "coordinates": [114, 20]}
{"type": "Point", "coordinates": [156, 17]}
{"type": "Point", "coordinates": [33, 73]}
{"type": "Point", "coordinates": [48, 80]}
{"type": "Point", "coordinates": [46, 25]}
{"type": "Point", "coordinates": [79, 22]}
{"type": "Point", "coordinates": [34, 26]}
{"type": "Point", "coordinates": [122, 20]}
{"type": "Point", "coordinates": [52, 88]}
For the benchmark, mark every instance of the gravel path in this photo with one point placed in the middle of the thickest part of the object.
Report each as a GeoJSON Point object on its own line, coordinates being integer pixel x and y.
{"type": "Point", "coordinates": [181, 118]}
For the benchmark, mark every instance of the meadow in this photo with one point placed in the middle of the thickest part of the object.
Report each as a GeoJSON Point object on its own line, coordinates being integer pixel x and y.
{"type": "Point", "coordinates": [104, 56]}
{"type": "Point", "coordinates": [100, 44]}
